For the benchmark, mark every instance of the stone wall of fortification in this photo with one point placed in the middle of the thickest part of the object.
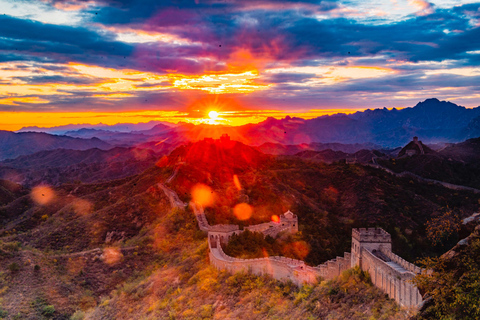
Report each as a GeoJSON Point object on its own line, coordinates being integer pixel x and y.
{"type": "Point", "coordinates": [279, 268]}
{"type": "Point", "coordinates": [394, 281]}
{"type": "Point", "coordinates": [390, 273]}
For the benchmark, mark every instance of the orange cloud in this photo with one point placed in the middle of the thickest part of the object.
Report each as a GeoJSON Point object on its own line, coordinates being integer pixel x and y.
{"type": "Point", "coordinates": [423, 6]}
{"type": "Point", "coordinates": [219, 83]}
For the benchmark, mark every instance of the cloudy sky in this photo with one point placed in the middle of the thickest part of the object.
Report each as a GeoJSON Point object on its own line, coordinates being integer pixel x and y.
{"type": "Point", "coordinates": [89, 60]}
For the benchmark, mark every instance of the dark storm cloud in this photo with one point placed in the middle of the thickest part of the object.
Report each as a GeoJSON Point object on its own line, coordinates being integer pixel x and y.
{"type": "Point", "coordinates": [418, 38]}
{"type": "Point", "coordinates": [25, 39]}
{"type": "Point", "coordinates": [218, 29]}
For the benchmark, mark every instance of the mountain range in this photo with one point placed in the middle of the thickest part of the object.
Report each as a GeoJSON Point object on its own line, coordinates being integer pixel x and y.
{"type": "Point", "coordinates": [119, 127]}
{"type": "Point", "coordinates": [17, 144]}
{"type": "Point", "coordinates": [432, 120]}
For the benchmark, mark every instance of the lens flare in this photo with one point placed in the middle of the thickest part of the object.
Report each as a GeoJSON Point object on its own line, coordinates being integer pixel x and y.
{"type": "Point", "coordinates": [236, 181]}
{"type": "Point", "coordinates": [243, 211]}
{"type": "Point", "coordinates": [203, 195]}
{"type": "Point", "coordinates": [42, 195]}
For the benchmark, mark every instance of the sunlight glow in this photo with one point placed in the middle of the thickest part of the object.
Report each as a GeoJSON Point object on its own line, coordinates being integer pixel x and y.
{"type": "Point", "coordinates": [220, 83]}
{"type": "Point", "coordinates": [213, 115]}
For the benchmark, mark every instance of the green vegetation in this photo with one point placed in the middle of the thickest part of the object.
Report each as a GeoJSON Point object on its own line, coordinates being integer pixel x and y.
{"type": "Point", "coordinates": [453, 284]}
{"type": "Point", "coordinates": [42, 308]}
{"type": "Point", "coordinates": [9, 248]}
{"type": "Point", "coordinates": [78, 315]}
{"type": "Point", "coordinates": [13, 267]}
{"type": "Point", "coordinates": [249, 245]}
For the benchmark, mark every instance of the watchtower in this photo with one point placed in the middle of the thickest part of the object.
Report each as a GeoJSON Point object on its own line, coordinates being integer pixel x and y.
{"type": "Point", "coordinates": [369, 239]}
{"type": "Point", "coordinates": [289, 219]}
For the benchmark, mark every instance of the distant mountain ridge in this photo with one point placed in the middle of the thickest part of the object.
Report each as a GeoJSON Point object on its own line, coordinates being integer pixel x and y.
{"type": "Point", "coordinates": [280, 149]}
{"type": "Point", "coordinates": [13, 144]}
{"type": "Point", "coordinates": [432, 120]}
{"type": "Point", "coordinates": [456, 163]}
{"type": "Point", "coordinates": [119, 127]}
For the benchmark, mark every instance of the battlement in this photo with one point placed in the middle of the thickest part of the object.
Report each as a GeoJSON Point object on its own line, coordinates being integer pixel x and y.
{"type": "Point", "coordinates": [224, 228]}
{"type": "Point", "coordinates": [371, 235]}
{"type": "Point", "coordinates": [288, 216]}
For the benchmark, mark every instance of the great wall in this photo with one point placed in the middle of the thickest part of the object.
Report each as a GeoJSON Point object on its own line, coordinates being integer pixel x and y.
{"type": "Point", "coordinates": [371, 250]}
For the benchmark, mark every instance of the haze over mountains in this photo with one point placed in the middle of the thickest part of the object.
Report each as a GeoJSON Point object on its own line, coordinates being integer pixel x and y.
{"type": "Point", "coordinates": [13, 144]}
{"type": "Point", "coordinates": [432, 120]}
{"type": "Point", "coordinates": [120, 127]}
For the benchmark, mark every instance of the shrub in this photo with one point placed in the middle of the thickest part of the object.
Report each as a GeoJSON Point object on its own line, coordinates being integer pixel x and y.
{"type": "Point", "coordinates": [14, 267]}
{"type": "Point", "coordinates": [11, 246]}
{"type": "Point", "coordinates": [48, 311]}
{"type": "Point", "coordinates": [78, 315]}
{"type": "Point", "coordinates": [3, 313]}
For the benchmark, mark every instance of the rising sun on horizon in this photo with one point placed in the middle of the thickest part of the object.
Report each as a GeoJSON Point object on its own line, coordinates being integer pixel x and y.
{"type": "Point", "coordinates": [213, 115]}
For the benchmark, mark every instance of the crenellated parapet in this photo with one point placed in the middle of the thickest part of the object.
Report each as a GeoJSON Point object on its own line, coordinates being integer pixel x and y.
{"type": "Point", "coordinates": [370, 239]}
{"type": "Point", "coordinates": [377, 235]}
{"type": "Point", "coordinates": [280, 268]}
{"type": "Point", "coordinates": [402, 262]}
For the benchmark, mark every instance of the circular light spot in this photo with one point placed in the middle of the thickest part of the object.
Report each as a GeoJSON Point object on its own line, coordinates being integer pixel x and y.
{"type": "Point", "coordinates": [243, 211]}
{"type": "Point", "coordinates": [42, 195]}
{"type": "Point", "coordinates": [202, 195]}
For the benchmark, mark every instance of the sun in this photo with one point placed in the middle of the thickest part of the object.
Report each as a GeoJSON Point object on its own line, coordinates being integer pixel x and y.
{"type": "Point", "coordinates": [213, 115]}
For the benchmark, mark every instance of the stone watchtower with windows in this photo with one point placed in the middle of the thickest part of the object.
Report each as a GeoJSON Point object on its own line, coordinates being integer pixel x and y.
{"type": "Point", "coordinates": [372, 239]}
{"type": "Point", "coordinates": [289, 219]}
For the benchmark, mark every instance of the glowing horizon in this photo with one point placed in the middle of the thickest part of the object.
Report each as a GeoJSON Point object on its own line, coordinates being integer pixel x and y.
{"type": "Point", "coordinates": [109, 60]}
{"type": "Point", "coordinates": [19, 120]}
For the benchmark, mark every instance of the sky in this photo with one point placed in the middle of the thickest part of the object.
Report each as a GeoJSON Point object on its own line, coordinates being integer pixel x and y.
{"type": "Point", "coordinates": [110, 61]}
